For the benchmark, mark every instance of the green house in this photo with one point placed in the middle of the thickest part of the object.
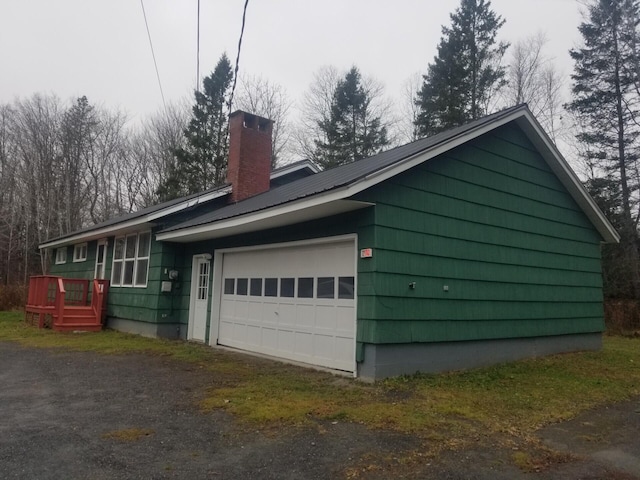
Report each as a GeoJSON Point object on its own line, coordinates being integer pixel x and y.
{"type": "Point", "coordinates": [475, 246]}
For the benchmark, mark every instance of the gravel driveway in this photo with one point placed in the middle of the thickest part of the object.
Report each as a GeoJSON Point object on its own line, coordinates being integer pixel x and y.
{"type": "Point", "coordinates": [65, 415]}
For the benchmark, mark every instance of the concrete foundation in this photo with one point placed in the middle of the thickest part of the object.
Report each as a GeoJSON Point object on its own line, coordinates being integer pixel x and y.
{"type": "Point", "coordinates": [154, 330]}
{"type": "Point", "coordinates": [389, 360]}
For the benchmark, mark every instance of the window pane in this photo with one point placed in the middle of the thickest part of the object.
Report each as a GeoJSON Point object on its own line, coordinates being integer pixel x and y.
{"type": "Point", "coordinates": [130, 250]}
{"type": "Point", "coordinates": [116, 276]}
{"type": "Point", "coordinates": [118, 252]}
{"type": "Point", "coordinates": [270, 287]}
{"type": "Point", "coordinates": [141, 272]}
{"type": "Point", "coordinates": [144, 242]}
{"type": "Point", "coordinates": [256, 287]}
{"type": "Point", "coordinates": [286, 287]}
{"type": "Point", "coordinates": [305, 287]}
{"type": "Point", "coordinates": [128, 272]}
{"type": "Point", "coordinates": [345, 287]}
{"type": "Point", "coordinates": [242, 286]}
{"type": "Point", "coordinates": [229, 286]}
{"type": "Point", "coordinates": [326, 287]}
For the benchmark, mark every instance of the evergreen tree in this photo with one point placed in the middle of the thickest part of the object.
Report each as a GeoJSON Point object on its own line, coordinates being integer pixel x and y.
{"type": "Point", "coordinates": [466, 73]}
{"type": "Point", "coordinates": [202, 162]}
{"type": "Point", "coordinates": [353, 131]}
{"type": "Point", "coordinates": [606, 100]}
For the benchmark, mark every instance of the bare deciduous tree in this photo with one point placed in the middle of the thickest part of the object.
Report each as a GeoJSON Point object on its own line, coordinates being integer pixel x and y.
{"type": "Point", "coordinates": [533, 79]}
{"type": "Point", "coordinates": [262, 97]}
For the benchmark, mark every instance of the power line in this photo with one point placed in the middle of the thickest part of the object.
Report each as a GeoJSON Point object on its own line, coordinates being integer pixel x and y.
{"type": "Point", "coordinates": [153, 55]}
{"type": "Point", "coordinates": [235, 74]}
{"type": "Point", "coordinates": [198, 52]}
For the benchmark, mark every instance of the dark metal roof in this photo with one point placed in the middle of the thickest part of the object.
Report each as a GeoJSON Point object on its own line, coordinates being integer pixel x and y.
{"type": "Point", "coordinates": [337, 177]}
{"type": "Point", "coordinates": [161, 206]}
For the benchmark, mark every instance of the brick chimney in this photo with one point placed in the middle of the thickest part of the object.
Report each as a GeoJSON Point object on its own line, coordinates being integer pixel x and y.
{"type": "Point", "coordinates": [249, 168]}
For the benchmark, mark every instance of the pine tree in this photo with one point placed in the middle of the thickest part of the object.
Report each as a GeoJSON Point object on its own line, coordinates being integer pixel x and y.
{"type": "Point", "coordinates": [466, 73]}
{"type": "Point", "coordinates": [353, 131]}
{"type": "Point", "coordinates": [202, 162]}
{"type": "Point", "coordinates": [606, 100]}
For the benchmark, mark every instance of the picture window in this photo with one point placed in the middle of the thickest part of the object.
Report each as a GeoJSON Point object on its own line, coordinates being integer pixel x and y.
{"type": "Point", "coordinates": [131, 260]}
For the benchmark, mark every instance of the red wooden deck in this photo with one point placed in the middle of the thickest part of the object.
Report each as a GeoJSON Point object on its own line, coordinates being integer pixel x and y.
{"type": "Point", "coordinates": [63, 303]}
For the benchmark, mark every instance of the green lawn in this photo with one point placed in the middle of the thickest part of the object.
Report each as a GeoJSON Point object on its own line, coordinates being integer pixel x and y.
{"type": "Point", "coordinates": [514, 398]}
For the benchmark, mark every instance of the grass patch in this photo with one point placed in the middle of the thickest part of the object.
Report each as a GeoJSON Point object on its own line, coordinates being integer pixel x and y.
{"type": "Point", "coordinates": [513, 399]}
{"type": "Point", "coordinates": [128, 434]}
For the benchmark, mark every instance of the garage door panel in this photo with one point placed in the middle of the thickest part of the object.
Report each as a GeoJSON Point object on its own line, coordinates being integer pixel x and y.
{"type": "Point", "coordinates": [304, 316]}
{"type": "Point", "coordinates": [275, 320]}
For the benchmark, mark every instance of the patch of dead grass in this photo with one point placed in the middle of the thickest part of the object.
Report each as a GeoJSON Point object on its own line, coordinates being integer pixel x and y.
{"type": "Point", "coordinates": [128, 434]}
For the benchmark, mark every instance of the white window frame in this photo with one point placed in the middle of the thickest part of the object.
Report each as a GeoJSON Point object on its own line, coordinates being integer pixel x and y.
{"type": "Point", "coordinates": [138, 256]}
{"type": "Point", "coordinates": [78, 251]}
{"type": "Point", "coordinates": [61, 255]}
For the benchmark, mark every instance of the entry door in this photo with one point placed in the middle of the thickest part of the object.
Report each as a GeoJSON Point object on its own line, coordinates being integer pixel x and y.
{"type": "Point", "coordinates": [101, 259]}
{"type": "Point", "coordinates": [199, 299]}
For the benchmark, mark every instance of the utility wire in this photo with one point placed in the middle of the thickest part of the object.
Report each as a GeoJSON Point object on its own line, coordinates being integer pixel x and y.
{"type": "Point", "coordinates": [198, 52]}
{"type": "Point", "coordinates": [153, 55]}
{"type": "Point", "coordinates": [235, 74]}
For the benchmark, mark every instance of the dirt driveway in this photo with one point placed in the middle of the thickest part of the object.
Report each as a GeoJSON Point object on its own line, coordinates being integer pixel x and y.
{"type": "Point", "coordinates": [78, 415]}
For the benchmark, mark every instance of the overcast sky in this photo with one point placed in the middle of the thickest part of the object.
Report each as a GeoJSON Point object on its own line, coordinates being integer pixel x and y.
{"type": "Point", "coordinates": [99, 48]}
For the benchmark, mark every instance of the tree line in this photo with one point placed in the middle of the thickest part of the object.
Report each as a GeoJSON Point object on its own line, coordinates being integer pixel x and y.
{"type": "Point", "coordinates": [66, 165]}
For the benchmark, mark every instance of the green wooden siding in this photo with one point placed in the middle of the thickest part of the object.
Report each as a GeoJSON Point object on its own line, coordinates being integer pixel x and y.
{"type": "Point", "coordinates": [71, 269]}
{"type": "Point", "coordinates": [495, 244]}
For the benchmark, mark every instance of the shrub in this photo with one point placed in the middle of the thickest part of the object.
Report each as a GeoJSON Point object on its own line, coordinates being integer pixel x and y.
{"type": "Point", "coordinates": [622, 316]}
{"type": "Point", "coordinates": [13, 296]}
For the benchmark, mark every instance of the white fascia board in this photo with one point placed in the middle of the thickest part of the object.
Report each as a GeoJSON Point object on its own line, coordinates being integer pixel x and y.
{"type": "Point", "coordinates": [294, 168]}
{"type": "Point", "coordinates": [251, 221]}
{"type": "Point", "coordinates": [290, 214]}
{"type": "Point", "coordinates": [99, 233]}
{"type": "Point", "coordinates": [136, 223]}
{"type": "Point", "coordinates": [188, 203]}
{"type": "Point", "coordinates": [567, 176]}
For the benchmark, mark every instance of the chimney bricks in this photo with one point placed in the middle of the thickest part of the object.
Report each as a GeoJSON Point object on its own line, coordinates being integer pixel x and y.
{"type": "Point", "coordinates": [249, 168]}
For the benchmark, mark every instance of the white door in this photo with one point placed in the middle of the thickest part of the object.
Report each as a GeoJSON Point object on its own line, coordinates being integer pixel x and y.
{"type": "Point", "coordinates": [199, 299]}
{"type": "Point", "coordinates": [101, 259]}
{"type": "Point", "coordinates": [294, 302]}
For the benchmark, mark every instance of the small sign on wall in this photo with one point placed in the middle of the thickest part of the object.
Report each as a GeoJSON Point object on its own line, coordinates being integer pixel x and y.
{"type": "Point", "coordinates": [366, 253]}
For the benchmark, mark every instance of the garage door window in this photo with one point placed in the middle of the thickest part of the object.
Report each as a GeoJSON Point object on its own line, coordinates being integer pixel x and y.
{"type": "Point", "coordinates": [287, 287]}
{"type": "Point", "coordinates": [345, 287]}
{"type": "Point", "coordinates": [326, 287]}
{"type": "Point", "coordinates": [270, 287]}
{"type": "Point", "coordinates": [242, 286]}
{"type": "Point", "coordinates": [305, 287]}
{"type": "Point", "coordinates": [256, 287]}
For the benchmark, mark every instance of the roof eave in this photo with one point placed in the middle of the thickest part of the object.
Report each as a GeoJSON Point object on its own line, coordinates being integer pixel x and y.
{"type": "Point", "coordinates": [522, 116]}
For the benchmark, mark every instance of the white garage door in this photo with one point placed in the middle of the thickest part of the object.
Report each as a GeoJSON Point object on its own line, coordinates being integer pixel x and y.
{"type": "Point", "coordinates": [292, 302]}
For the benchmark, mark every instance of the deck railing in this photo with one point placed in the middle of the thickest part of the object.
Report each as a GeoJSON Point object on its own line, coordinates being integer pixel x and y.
{"type": "Point", "coordinates": [52, 298]}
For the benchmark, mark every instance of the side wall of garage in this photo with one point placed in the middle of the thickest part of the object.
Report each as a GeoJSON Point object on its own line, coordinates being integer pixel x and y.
{"type": "Point", "coordinates": [479, 252]}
